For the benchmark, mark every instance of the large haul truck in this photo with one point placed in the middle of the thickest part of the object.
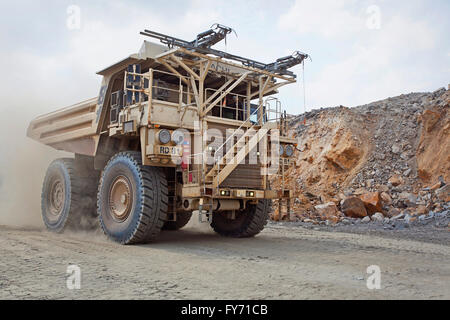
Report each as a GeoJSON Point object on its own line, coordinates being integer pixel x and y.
{"type": "Point", "coordinates": [177, 128]}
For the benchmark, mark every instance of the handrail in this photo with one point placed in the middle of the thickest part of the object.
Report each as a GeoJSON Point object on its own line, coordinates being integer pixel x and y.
{"type": "Point", "coordinates": [237, 130]}
{"type": "Point", "coordinates": [152, 86]}
{"type": "Point", "coordinates": [277, 109]}
{"type": "Point", "coordinates": [235, 108]}
{"type": "Point", "coordinates": [199, 170]}
{"type": "Point", "coordinates": [265, 116]}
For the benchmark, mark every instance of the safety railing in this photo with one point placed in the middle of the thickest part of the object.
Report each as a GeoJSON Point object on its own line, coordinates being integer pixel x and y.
{"type": "Point", "coordinates": [273, 112]}
{"type": "Point", "coordinates": [233, 106]}
{"type": "Point", "coordinates": [163, 91]}
{"type": "Point", "coordinates": [217, 161]}
{"type": "Point", "coordinates": [195, 171]}
{"type": "Point", "coordinates": [169, 92]}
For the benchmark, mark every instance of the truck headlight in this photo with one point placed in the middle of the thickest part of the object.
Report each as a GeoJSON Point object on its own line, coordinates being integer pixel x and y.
{"type": "Point", "coordinates": [289, 150]}
{"type": "Point", "coordinates": [164, 136]}
{"type": "Point", "coordinates": [178, 137]}
{"type": "Point", "coordinates": [281, 150]}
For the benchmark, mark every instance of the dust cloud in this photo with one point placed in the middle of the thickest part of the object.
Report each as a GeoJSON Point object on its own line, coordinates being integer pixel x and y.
{"type": "Point", "coordinates": [23, 163]}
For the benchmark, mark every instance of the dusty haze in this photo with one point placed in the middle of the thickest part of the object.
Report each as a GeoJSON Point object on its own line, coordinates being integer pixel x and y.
{"type": "Point", "coordinates": [23, 164]}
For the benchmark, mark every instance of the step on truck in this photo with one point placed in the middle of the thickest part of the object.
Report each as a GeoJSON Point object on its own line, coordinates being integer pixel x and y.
{"type": "Point", "coordinates": [177, 128]}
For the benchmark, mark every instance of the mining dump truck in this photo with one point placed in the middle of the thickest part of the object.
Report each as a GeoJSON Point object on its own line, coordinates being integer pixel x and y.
{"type": "Point", "coordinates": [177, 128]}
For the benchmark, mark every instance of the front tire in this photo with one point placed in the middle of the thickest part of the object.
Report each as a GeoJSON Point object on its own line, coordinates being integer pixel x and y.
{"type": "Point", "coordinates": [132, 199]}
{"type": "Point", "coordinates": [247, 223]}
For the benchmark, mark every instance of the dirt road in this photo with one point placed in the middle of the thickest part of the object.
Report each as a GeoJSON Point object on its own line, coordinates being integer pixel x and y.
{"type": "Point", "coordinates": [195, 263]}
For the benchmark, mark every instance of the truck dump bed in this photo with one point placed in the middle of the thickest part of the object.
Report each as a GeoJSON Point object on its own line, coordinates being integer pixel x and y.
{"type": "Point", "coordinates": [72, 129]}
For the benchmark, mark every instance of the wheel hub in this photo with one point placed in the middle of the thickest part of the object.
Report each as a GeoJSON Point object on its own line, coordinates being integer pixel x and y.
{"type": "Point", "coordinates": [56, 197]}
{"type": "Point", "coordinates": [120, 199]}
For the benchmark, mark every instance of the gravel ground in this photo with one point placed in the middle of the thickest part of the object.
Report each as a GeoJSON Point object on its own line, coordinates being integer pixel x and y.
{"type": "Point", "coordinates": [432, 230]}
{"type": "Point", "coordinates": [283, 262]}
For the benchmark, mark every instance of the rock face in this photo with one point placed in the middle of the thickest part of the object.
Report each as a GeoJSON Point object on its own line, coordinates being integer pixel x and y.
{"type": "Point", "coordinates": [334, 145]}
{"type": "Point", "coordinates": [389, 152]}
{"type": "Point", "coordinates": [345, 152]}
{"type": "Point", "coordinates": [433, 151]}
{"type": "Point", "coordinates": [354, 207]}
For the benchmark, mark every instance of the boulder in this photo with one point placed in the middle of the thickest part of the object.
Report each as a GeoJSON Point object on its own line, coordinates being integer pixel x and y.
{"type": "Point", "coordinates": [378, 216]}
{"type": "Point", "coordinates": [365, 220]}
{"type": "Point", "coordinates": [327, 211]}
{"type": "Point", "coordinates": [396, 149]}
{"type": "Point", "coordinates": [372, 202]}
{"type": "Point", "coordinates": [409, 199]}
{"type": "Point", "coordinates": [420, 211]}
{"type": "Point", "coordinates": [345, 153]}
{"type": "Point", "coordinates": [393, 212]}
{"type": "Point", "coordinates": [354, 207]}
{"type": "Point", "coordinates": [386, 198]}
{"type": "Point", "coordinates": [396, 180]}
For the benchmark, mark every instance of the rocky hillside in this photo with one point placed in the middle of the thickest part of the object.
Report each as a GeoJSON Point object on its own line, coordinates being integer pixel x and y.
{"type": "Point", "coordinates": [387, 159]}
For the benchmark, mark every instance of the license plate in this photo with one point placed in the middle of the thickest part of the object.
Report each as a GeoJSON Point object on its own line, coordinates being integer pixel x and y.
{"type": "Point", "coordinates": [168, 151]}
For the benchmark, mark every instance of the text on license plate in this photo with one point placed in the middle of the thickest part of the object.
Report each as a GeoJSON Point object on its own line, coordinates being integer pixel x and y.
{"type": "Point", "coordinates": [169, 150]}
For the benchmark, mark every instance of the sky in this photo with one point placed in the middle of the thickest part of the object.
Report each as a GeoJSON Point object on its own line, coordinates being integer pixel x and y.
{"type": "Point", "coordinates": [361, 51]}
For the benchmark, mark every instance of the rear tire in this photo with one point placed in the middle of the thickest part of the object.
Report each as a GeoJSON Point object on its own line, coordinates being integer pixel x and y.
{"type": "Point", "coordinates": [182, 220]}
{"type": "Point", "coordinates": [61, 195]}
{"type": "Point", "coordinates": [247, 223]}
{"type": "Point", "coordinates": [132, 199]}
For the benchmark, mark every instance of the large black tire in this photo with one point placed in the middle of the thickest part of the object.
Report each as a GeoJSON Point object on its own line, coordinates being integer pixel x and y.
{"type": "Point", "coordinates": [132, 199]}
{"type": "Point", "coordinates": [61, 196]}
{"type": "Point", "coordinates": [182, 220]}
{"type": "Point", "coordinates": [247, 223]}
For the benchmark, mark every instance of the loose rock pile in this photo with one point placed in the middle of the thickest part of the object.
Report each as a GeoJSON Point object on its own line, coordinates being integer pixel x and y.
{"type": "Point", "coordinates": [385, 162]}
